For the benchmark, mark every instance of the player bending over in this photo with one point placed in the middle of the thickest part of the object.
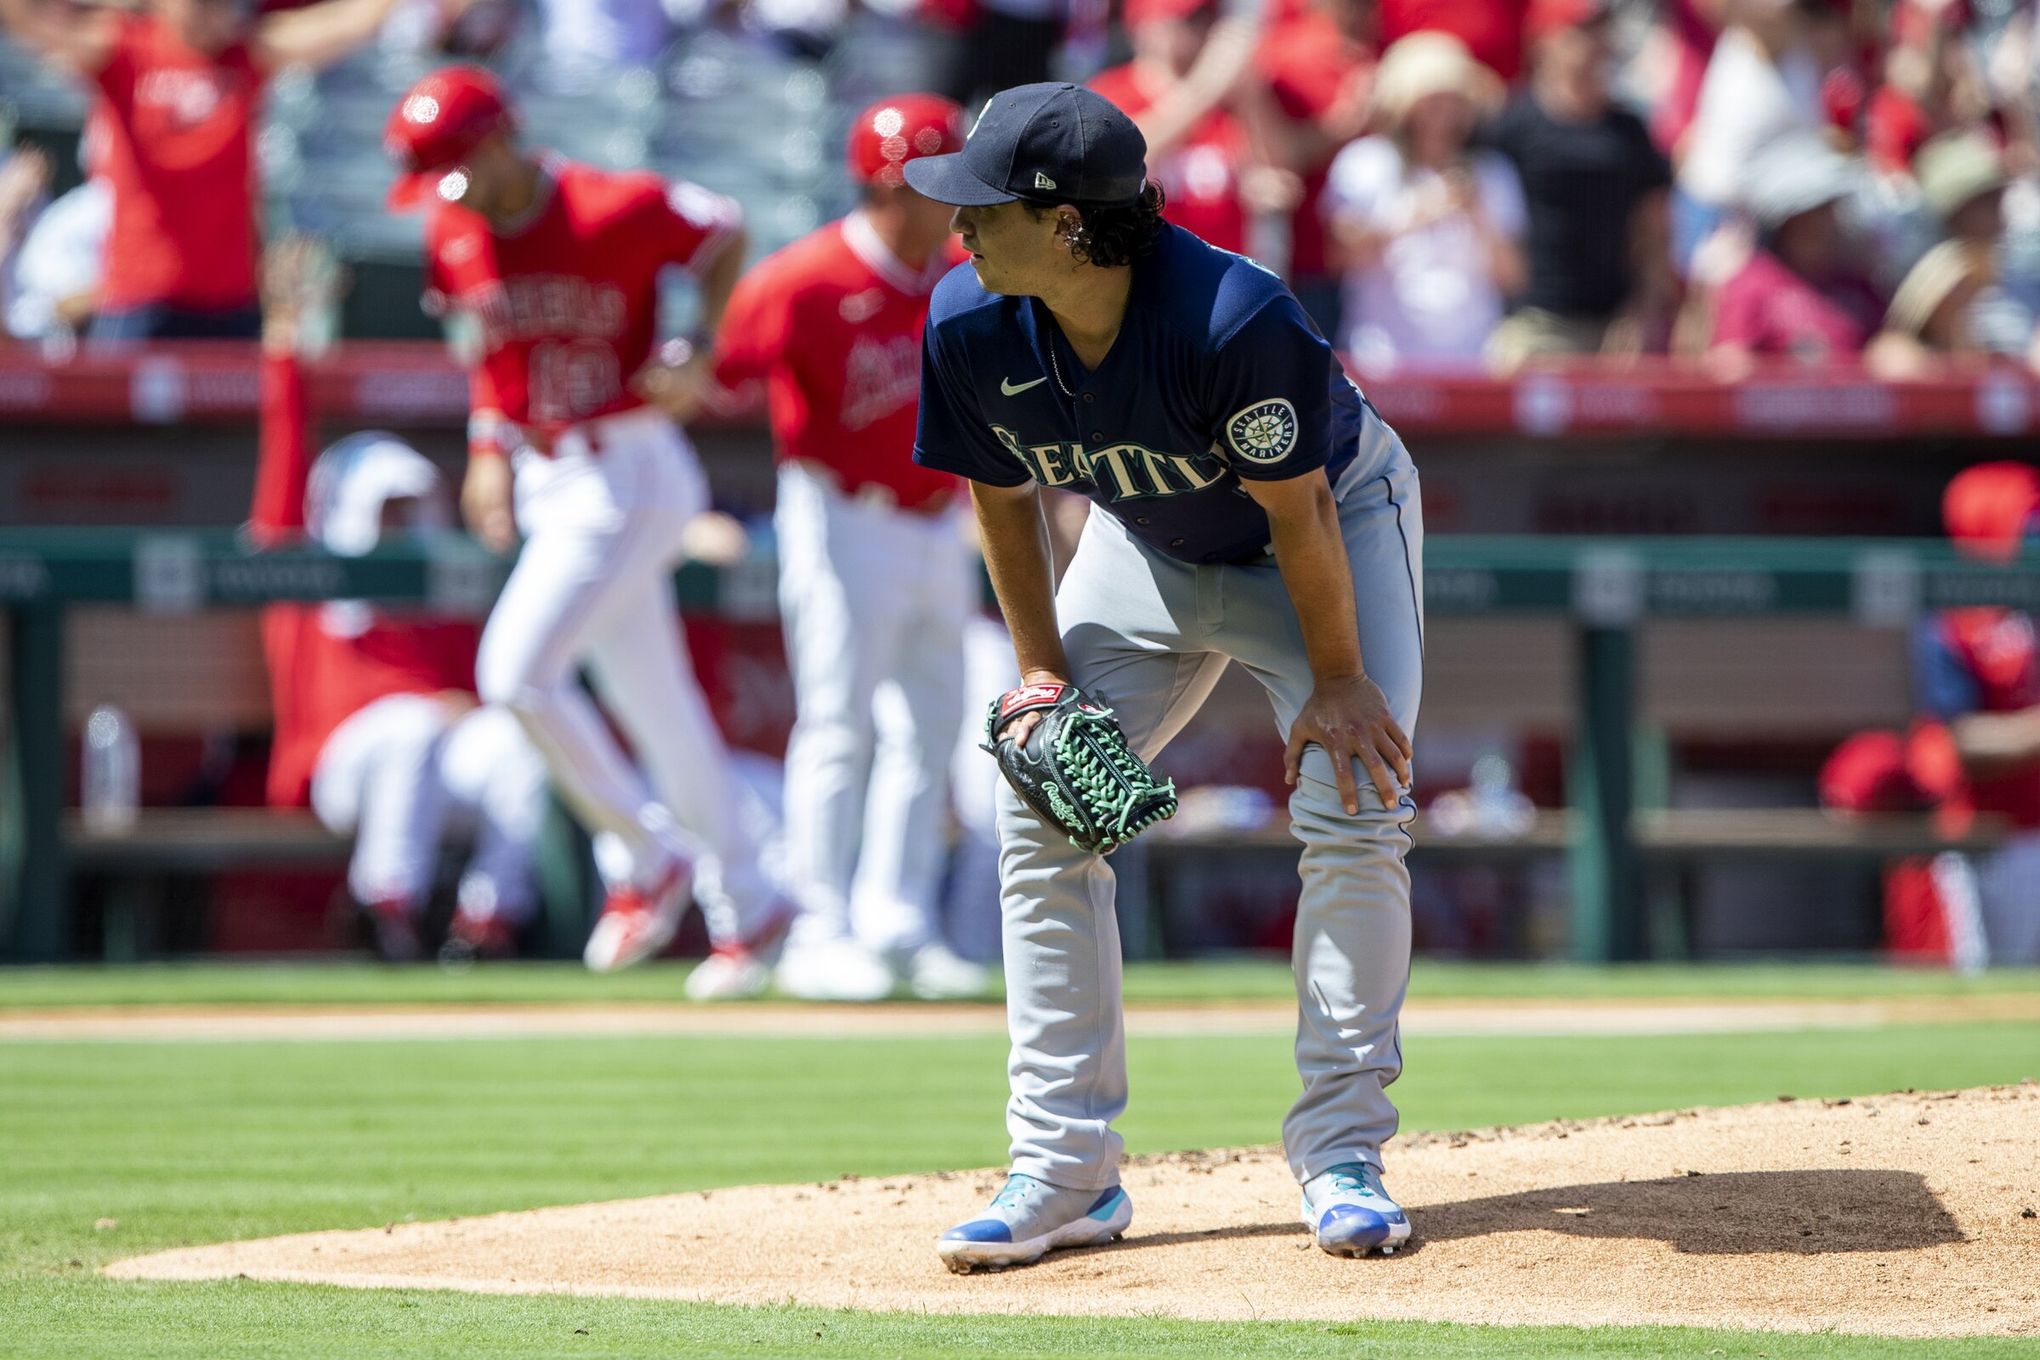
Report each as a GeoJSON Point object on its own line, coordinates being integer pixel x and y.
{"type": "Point", "coordinates": [1249, 506]}
{"type": "Point", "coordinates": [378, 729]}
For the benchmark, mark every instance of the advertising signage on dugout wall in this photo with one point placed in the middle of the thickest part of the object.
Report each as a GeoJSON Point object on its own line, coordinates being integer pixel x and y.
{"type": "Point", "coordinates": [415, 382]}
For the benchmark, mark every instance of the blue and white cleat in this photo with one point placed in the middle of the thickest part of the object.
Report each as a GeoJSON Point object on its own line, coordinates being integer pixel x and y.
{"type": "Point", "coordinates": [1030, 1218]}
{"type": "Point", "coordinates": [1350, 1211]}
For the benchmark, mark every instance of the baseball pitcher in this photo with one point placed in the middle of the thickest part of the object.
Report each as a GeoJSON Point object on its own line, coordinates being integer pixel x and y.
{"type": "Point", "coordinates": [1249, 506]}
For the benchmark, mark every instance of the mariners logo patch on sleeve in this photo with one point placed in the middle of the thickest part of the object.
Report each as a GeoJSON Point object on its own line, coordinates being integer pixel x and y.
{"type": "Point", "coordinates": [1264, 432]}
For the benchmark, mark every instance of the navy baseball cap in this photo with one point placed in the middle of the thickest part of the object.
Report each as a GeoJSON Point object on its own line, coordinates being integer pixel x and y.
{"type": "Point", "coordinates": [1047, 143]}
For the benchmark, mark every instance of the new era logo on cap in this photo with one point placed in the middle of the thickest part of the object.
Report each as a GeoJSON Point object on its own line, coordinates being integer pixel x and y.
{"type": "Point", "coordinates": [1042, 181]}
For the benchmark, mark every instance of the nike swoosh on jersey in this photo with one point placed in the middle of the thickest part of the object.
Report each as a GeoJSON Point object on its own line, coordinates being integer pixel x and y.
{"type": "Point", "coordinates": [1008, 388]}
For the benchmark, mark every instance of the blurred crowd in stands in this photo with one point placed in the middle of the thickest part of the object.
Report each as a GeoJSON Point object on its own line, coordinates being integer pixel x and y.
{"type": "Point", "coordinates": [1463, 185]}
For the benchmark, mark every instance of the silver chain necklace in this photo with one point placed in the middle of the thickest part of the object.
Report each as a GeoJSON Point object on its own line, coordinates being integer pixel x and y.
{"type": "Point", "coordinates": [1055, 367]}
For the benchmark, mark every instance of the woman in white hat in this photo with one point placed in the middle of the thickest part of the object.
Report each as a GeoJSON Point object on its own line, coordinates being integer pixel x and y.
{"type": "Point", "coordinates": [1429, 230]}
{"type": "Point", "coordinates": [1929, 326]}
{"type": "Point", "coordinates": [1966, 184]}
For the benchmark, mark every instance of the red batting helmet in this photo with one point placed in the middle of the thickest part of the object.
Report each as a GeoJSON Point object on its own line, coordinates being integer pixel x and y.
{"type": "Point", "coordinates": [437, 123]}
{"type": "Point", "coordinates": [1991, 508]}
{"type": "Point", "coordinates": [900, 129]}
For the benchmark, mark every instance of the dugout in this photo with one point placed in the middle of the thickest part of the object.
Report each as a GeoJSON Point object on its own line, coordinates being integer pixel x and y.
{"type": "Point", "coordinates": [1736, 695]}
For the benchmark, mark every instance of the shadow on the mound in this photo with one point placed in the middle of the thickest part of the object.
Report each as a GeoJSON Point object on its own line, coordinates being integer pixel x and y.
{"type": "Point", "coordinates": [1805, 1213]}
{"type": "Point", "coordinates": [1731, 1214]}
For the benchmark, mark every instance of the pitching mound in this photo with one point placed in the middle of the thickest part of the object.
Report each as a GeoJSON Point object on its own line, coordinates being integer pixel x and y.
{"type": "Point", "coordinates": [1906, 1215]}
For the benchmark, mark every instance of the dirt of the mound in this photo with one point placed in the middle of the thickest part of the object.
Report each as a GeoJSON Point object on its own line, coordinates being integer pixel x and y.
{"type": "Point", "coordinates": [1903, 1215]}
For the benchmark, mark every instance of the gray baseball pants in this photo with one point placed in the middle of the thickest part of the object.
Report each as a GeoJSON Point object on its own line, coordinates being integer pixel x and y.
{"type": "Point", "coordinates": [1150, 636]}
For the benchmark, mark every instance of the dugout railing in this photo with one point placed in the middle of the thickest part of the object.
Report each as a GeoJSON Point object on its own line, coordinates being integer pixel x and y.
{"type": "Point", "coordinates": [1607, 590]}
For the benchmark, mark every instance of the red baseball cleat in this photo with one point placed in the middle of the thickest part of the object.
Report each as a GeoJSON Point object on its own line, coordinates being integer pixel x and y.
{"type": "Point", "coordinates": [637, 922]}
{"type": "Point", "coordinates": [739, 969]}
{"type": "Point", "coordinates": [471, 939]}
{"type": "Point", "coordinates": [391, 932]}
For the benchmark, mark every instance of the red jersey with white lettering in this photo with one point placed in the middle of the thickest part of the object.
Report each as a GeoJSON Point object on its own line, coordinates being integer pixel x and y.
{"type": "Point", "coordinates": [1201, 174]}
{"type": "Point", "coordinates": [831, 325]}
{"type": "Point", "coordinates": [568, 298]}
{"type": "Point", "coordinates": [180, 157]}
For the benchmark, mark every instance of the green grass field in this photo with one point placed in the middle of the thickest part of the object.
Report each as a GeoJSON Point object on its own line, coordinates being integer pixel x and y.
{"type": "Point", "coordinates": [1223, 980]}
{"type": "Point", "coordinates": [184, 1143]}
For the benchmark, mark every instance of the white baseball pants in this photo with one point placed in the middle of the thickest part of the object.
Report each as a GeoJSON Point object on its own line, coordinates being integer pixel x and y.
{"type": "Point", "coordinates": [874, 600]}
{"type": "Point", "coordinates": [2008, 883]}
{"type": "Point", "coordinates": [593, 586]}
{"type": "Point", "coordinates": [1150, 636]}
{"type": "Point", "coordinates": [409, 770]}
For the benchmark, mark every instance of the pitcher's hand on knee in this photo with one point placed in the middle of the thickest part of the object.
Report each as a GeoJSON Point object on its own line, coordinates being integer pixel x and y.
{"type": "Point", "coordinates": [485, 502]}
{"type": "Point", "coordinates": [1348, 716]}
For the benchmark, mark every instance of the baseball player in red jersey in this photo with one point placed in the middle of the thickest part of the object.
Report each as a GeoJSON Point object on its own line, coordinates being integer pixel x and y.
{"type": "Point", "coordinates": [572, 442]}
{"type": "Point", "coordinates": [1975, 749]}
{"type": "Point", "coordinates": [1978, 671]}
{"type": "Point", "coordinates": [876, 580]}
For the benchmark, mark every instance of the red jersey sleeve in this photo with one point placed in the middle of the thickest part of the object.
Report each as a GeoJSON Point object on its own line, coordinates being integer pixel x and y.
{"type": "Point", "coordinates": [294, 745]}
{"type": "Point", "coordinates": [755, 328]}
{"type": "Point", "coordinates": [285, 460]}
{"type": "Point", "coordinates": [489, 432]}
{"type": "Point", "coordinates": [437, 299]}
{"type": "Point", "coordinates": [687, 225]}
{"type": "Point", "coordinates": [117, 77]}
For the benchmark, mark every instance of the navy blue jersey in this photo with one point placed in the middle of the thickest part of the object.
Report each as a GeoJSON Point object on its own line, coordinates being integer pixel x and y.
{"type": "Point", "coordinates": [1216, 375]}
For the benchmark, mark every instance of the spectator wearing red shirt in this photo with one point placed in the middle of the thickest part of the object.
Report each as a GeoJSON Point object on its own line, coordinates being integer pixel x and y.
{"type": "Point", "coordinates": [1201, 172]}
{"type": "Point", "coordinates": [1319, 65]}
{"type": "Point", "coordinates": [1491, 29]}
{"type": "Point", "coordinates": [179, 84]}
{"type": "Point", "coordinates": [1796, 294]}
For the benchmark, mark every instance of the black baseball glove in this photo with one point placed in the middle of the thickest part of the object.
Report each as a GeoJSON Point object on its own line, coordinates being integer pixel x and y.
{"type": "Point", "coordinates": [1077, 769]}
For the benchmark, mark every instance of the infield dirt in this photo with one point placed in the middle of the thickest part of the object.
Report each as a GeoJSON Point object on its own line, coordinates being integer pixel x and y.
{"type": "Point", "coordinates": [1903, 1215]}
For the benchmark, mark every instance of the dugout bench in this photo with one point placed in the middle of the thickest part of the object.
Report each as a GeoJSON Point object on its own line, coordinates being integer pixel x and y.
{"type": "Point", "coordinates": [1604, 589]}
{"type": "Point", "coordinates": [1667, 844]}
